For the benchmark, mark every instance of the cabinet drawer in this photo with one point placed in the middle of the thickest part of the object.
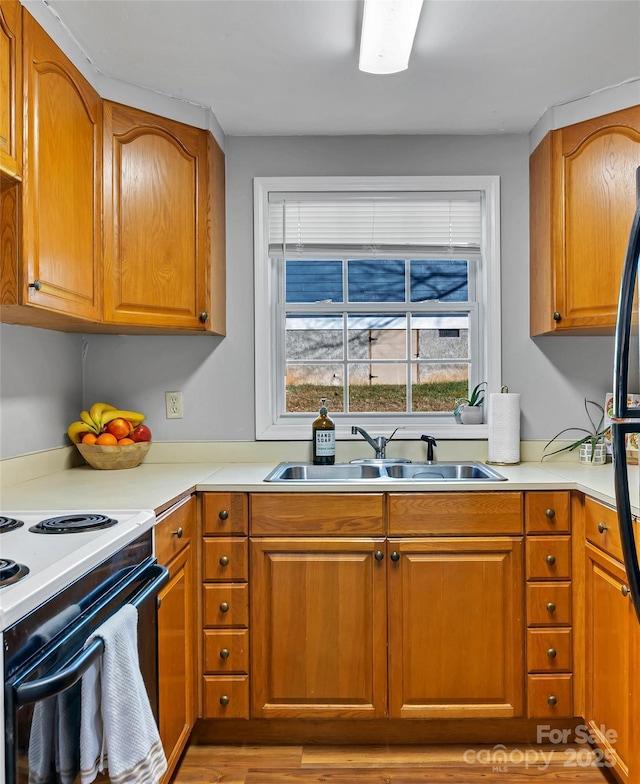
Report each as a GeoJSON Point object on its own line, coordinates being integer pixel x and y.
{"type": "Point", "coordinates": [549, 696]}
{"type": "Point", "coordinates": [316, 514]}
{"type": "Point", "coordinates": [548, 512]}
{"type": "Point", "coordinates": [174, 532]}
{"type": "Point", "coordinates": [601, 528]}
{"type": "Point", "coordinates": [549, 650]}
{"type": "Point", "coordinates": [455, 514]}
{"type": "Point", "coordinates": [226, 651]}
{"type": "Point", "coordinates": [549, 558]}
{"type": "Point", "coordinates": [549, 604]}
{"type": "Point", "coordinates": [225, 559]}
{"type": "Point", "coordinates": [226, 605]}
{"type": "Point", "coordinates": [224, 514]}
{"type": "Point", "coordinates": [226, 697]}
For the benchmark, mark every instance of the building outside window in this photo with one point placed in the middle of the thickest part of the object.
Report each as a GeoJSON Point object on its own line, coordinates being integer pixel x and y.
{"type": "Point", "coordinates": [379, 294]}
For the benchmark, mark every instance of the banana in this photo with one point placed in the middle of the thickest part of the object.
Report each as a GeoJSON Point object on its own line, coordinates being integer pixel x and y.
{"type": "Point", "coordinates": [133, 416]}
{"type": "Point", "coordinates": [89, 424]}
{"type": "Point", "coordinates": [76, 430]}
{"type": "Point", "coordinates": [97, 411]}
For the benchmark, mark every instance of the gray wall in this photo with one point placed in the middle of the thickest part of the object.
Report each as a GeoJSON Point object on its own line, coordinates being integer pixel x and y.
{"type": "Point", "coordinates": [553, 374]}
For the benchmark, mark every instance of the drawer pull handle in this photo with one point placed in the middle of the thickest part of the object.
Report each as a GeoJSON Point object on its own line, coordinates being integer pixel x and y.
{"type": "Point", "coordinates": [378, 555]}
{"type": "Point", "coordinates": [224, 700]}
{"type": "Point", "coordinates": [35, 285]}
{"type": "Point", "coordinates": [395, 557]}
{"type": "Point", "coordinates": [224, 653]}
{"type": "Point", "coordinates": [204, 316]}
{"type": "Point", "coordinates": [552, 653]}
{"type": "Point", "coordinates": [624, 590]}
{"type": "Point", "coordinates": [224, 560]}
{"type": "Point", "coordinates": [551, 607]}
{"type": "Point", "coordinates": [557, 316]}
{"type": "Point", "coordinates": [223, 514]}
{"type": "Point", "coordinates": [602, 528]}
{"type": "Point", "coordinates": [552, 700]}
{"type": "Point", "coordinates": [224, 607]}
{"type": "Point", "coordinates": [550, 513]}
{"type": "Point", "coordinates": [550, 559]}
{"type": "Point", "coordinates": [179, 533]}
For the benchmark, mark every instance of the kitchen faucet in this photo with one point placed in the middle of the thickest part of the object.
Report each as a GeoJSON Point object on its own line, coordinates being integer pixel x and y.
{"type": "Point", "coordinates": [431, 442]}
{"type": "Point", "coordinates": [379, 443]}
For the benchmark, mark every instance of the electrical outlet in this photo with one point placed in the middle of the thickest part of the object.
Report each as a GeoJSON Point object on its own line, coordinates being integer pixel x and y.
{"type": "Point", "coordinates": [173, 402]}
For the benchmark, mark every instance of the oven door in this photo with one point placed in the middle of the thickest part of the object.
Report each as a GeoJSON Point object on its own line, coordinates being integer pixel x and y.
{"type": "Point", "coordinates": [42, 698]}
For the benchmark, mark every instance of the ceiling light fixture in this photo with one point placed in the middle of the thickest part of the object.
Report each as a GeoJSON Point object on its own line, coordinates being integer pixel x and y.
{"type": "Point", "coordinates": [388, 30]}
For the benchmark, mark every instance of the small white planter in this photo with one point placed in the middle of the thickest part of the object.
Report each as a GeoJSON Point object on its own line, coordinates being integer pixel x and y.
{"type": "Point", "coordinates": [471, 415]}
{"type": "Point", "coordinates": [597, 457]}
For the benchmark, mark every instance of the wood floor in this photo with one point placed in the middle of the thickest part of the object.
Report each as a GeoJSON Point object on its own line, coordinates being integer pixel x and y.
{"type": "Point", "coordinates": [389, 765]}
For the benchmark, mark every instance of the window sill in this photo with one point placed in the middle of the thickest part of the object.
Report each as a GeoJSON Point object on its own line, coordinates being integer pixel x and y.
{"type": "Point", "coordinates": [301, 431]}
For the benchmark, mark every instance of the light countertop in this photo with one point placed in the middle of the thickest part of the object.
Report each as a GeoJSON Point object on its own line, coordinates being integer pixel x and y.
{"type": "Point", "coordinates": [158, 485]}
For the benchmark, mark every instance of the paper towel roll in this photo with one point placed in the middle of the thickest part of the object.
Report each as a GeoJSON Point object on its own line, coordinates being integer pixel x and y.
{"type": "Point", "coordinates": [504, 428]}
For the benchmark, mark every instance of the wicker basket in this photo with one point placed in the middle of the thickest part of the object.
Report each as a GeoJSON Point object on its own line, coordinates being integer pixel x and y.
{"type": "Point", "coordinates": [109, 457]}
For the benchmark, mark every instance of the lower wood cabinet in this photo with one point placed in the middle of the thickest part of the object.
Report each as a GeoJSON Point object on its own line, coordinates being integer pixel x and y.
{"type": "Point", "coordinates": [319, 628]}
{"type": "Point", "coordinates": [175, 543]}
{"type": "Point", "coordinates": [612, 646]}
{"type": "Point", "coordinates": [456, 628]}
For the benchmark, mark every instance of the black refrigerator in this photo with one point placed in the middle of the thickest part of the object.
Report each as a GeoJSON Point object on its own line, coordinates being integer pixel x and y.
{"type": "Point", "coordinates": [626, 418]}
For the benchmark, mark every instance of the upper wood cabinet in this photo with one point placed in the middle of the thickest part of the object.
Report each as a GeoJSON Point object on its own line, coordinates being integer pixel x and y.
{"type": "Point", "coordinates": [10, 88]}
{"type": "Point", "coordinates": [582, 201]}
{"type": "Point", "coordinates": [58, 272]}
{"type": "Point", "coordinates": [156, 223]}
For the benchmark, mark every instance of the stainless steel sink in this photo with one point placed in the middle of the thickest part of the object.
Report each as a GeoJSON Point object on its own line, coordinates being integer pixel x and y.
{"type": "Point", "coordinates": [382, 471]}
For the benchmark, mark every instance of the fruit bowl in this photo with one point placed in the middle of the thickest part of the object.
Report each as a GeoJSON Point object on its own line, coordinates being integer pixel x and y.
{"type": "Point", "coordinates": [110, 457]}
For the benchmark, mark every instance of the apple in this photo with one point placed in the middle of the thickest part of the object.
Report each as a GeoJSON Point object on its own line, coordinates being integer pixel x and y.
{"type": "Point", "coordinates": [140, 433]}
{"type": "Point", "coordinates": [120, 428]}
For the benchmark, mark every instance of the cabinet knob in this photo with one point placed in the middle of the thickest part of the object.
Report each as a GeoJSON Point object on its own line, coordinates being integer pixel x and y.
{"type": "Point", "coordinates": [224, 560]}
{"type": "Point", "coordinates": [35, 285]}
{"type": "Point", "coordinates": [552, 653]}
{"type": "Point", "coordinates": [224, 700]}
{"type": "Point", "coordinates": [550, 513]}
{"type": "Point", "coordinates": [179, 533]}
{"type": "Point", "coordinates": [624, 590]}
{"type": "Point", "coordinates": [602, 528]}
{"type": "Point", "coordinates": [551, 608]}
{"type": "Point", "coordinates": [395, 556]}
{"type": "Point", "coordinates": [378, 555]}
{"type": "Point", "coordinates": [552, 700]}
{"type": "Point", "coordinates": [550, 559]}
{"type": "Point", "coordinates": [223, 514]}
{"type": "Point", "coordinates": [204, 316]}
{"type": "Point", "coordinates": [224, 653]}
{"type": "Point", "coordinates": [224, 607]}
{"type": "Point", "coordinates": [557, 316]}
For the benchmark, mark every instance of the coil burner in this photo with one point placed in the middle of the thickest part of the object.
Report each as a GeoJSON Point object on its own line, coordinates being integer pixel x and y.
{"type": "Point", "coordinates": [73, 523]}
{"type": "Point", "coordinates": [9, 524]}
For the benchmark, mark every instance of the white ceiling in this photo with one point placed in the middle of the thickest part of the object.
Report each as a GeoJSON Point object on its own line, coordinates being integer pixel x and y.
{"type": "Point", "coordinates": [291, 66]}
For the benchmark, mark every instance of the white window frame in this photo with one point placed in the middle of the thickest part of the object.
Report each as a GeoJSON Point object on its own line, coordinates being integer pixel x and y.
{"type": "Point", "coordinates": [270, 425]}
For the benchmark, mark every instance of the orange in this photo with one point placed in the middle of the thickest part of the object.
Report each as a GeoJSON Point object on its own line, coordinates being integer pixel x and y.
{"type": "Point", "coordinates": [106, 439]}
{"type": "Point", "coordinates": [124, 441]}
{"type": "Point", "coordinates": [89, 438]}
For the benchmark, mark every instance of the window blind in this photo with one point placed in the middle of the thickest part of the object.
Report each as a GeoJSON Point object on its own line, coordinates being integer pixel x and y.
{"type": "Point", "coordinates": [431, 223]}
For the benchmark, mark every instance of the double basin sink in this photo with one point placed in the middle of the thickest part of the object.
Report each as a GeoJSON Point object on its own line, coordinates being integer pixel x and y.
{"type": "Point", "coordinates": [383, 471]}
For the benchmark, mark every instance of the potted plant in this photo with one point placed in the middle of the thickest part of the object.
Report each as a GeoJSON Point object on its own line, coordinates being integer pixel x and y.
{"type": "Point", "coordinates": [468, 410]}
{"type": "Point", "coordinates": [592, 446]}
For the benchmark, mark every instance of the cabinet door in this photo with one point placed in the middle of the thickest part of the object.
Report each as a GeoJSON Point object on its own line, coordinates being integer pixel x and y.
{"type": "Point", "coordinates": [318, 623]}
{"type": "Point", "coordinates": [10, 87]}
{"type": "Point", "coordinates": [176, 645]}
{"type": "Point", "coordinates": [156, 201]}
{"type": "Point", "coordinates": [62, 182]}
{"type": "Point", "coordinates": [456, 632]}
{"type": "Point", "coordinates": [611, 638]}
{"type": "Point", "coordinates": [583, 197]}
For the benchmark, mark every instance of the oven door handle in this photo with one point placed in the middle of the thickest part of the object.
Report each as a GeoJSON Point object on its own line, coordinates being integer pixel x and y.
{"type": "Point", "coordinates": [41, 689]}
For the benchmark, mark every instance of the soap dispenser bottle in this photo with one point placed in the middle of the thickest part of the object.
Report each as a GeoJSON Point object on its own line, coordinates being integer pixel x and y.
{"type": "Point", "coordinates": [324, 437]}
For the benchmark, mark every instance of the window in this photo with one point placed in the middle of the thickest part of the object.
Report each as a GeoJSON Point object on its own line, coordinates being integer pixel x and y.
{"type": "Point", "coordinates": [380, 294]}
